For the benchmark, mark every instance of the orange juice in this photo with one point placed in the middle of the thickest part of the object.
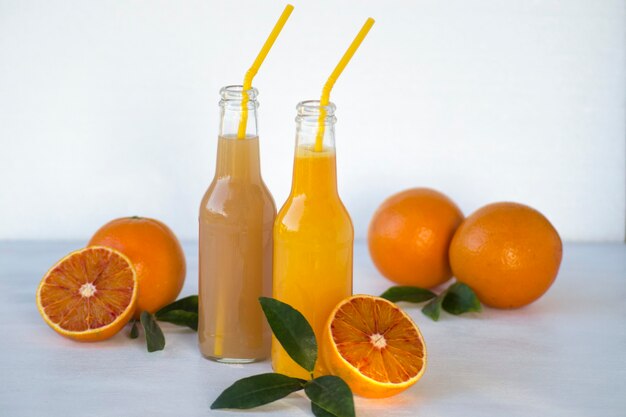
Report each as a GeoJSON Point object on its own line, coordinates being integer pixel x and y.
{"type": "Point", "coordinates": [313, 235]}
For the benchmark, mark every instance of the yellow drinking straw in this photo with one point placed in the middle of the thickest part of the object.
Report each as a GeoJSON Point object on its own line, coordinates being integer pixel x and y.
{"type": "Point", "coordinates": [247, 81]}
{"type": "Point", "coordinates": [324, 100]}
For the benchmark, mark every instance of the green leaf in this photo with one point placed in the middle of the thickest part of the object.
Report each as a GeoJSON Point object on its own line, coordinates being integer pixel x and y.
{"type": "Point", "coordinates": [433, 308]}
{"type": "Point", "coordinates": [410, 294]}
{"type": "Point", "coordinates": [189, 304]}
{"type": "Point", "coordinates": [257, 390]}
{"type": "Point", "coordinates": [180, 318]}
{"type": "Point", "coordinates": [154, 336]}
{"type": "Point", "coordinates": [330, 396]}
{"type": "Point", "coordinates": [459, 299]}
{"type": "Point", "coordinates": [319, 411]}
{"type": "Point", "coordinates": [134, 330]}
{"type": "Point", "coordinates": [292, 331]}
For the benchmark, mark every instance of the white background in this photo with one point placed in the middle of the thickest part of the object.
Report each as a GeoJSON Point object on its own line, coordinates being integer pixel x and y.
{"type": "Point", "coordinates": [110, 108]}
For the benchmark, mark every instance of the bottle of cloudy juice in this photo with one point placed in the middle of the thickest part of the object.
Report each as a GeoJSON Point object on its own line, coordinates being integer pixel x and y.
{"type": "Point", "coordinates": [235, 245]}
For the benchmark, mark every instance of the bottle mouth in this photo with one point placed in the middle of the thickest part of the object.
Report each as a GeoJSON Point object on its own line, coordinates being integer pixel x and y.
{"type": "Point", "coordinates": [309, 111]}
{"type": "Point", "coordinates": [313, 108]}
{"type": "Point", "coordinates": [235, 93]}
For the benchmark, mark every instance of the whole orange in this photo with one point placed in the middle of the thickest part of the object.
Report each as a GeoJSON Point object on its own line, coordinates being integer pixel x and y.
{"type": "Point", "coordinates": [409, 236]}
{"type": "Point", "coordinates": [155, 253]}
{"type": "Point", "coordinates": [508, 253]}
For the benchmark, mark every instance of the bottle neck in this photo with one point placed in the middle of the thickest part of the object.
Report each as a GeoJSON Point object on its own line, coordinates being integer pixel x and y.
{"type": "Point", "coordinates": [238, 158]}
{"type": "Point", "coordinates": [314, 173]}
{"type": "Point", "coordinates": [238, 155]}
{"type": "Point", "coordinates": [315, 169]}
{"type": "Point", "coordinates": [238, 112]}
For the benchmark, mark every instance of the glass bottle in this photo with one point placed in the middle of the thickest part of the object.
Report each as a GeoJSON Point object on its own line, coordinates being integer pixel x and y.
{"type": "Point", "coordinates": [235, 245]}
{"type": "Point", "coordinates": [313, 233]}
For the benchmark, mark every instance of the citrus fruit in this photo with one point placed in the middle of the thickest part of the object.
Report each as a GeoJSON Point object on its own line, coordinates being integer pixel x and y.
{"type": "Point", "coordinates": [374, 346]}
{"type": "Point", "coordinates": [409, 236]}
{"type": "Point", "coordinates": [155, 253]}
{"type": "Point", "coordinates": [89, 295]}
{"type": "Point", "coordinates": [508, 253]}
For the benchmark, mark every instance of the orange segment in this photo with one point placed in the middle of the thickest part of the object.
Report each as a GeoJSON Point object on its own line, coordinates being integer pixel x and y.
{"type": "Point", "coordinates": [89, 295]}
{"type": "Point", "coordinates": [374, 346]}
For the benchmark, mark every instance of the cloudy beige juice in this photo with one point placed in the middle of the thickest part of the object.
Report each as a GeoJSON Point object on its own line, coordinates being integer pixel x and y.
{"type": "Point", "coordinates": [235, 243]}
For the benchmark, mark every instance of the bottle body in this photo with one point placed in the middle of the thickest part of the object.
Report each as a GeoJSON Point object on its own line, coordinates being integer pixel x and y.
{"type": "Point", "coordinates": [313, 243]}
{"type": "Point", "coordinates": [235, 254]}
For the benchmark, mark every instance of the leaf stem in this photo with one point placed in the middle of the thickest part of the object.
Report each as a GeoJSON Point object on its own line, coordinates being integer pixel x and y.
{"type": "Point", "coordinates": [134, 330]}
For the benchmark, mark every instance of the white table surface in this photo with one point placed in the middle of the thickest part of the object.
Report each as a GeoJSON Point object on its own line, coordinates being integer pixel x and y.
{"type": "Point", "coordinates": [565, 355]}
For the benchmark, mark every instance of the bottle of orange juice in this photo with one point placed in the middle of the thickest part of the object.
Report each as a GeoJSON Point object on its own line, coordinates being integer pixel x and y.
{"type": "Point", "coordinates": [236, 219]}
{"type": "Point", "coordinates": [313, 234]}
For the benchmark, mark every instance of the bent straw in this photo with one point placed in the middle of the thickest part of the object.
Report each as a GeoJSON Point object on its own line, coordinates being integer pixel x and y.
{"type": "Point", "coordinates": [247, 81]}
{"type": "Point", "coordinates": [347, 56]}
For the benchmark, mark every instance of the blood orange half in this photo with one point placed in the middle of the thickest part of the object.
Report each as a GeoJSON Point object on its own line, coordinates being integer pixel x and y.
{"type": "Point", "coordinates": [89, 295]}
{"type": "Point", "coordinates": [374, 346]}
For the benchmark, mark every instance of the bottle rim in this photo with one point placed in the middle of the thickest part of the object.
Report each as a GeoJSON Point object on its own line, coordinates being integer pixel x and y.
{"type": "Point", "coordinates": [309, 112]}
{"type": "Point", "coordinates": [236, 92]}
{"type": "Point", "coordinates": [313, 108]}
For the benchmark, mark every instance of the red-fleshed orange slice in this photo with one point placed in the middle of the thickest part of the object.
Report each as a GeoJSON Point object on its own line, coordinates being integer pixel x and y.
{"type": "Point", "coordinates": [374, 346]}
{"type": "Point", "coordinates": [89, 295]}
